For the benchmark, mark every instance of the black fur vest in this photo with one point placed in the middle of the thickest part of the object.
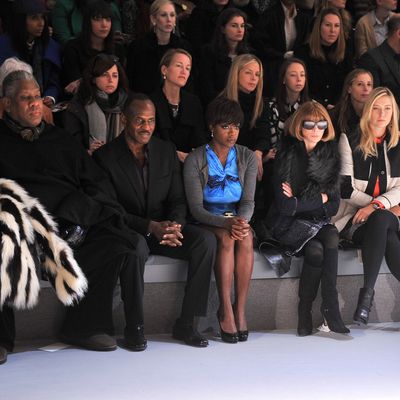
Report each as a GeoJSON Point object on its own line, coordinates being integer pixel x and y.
{"type": "Point", "coordinates": [310, 175]}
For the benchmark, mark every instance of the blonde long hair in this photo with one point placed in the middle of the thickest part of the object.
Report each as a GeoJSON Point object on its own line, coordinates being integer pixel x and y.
{"type": "Point", "coordinates": [231, 90]}
{"type": "Point", "coordinates": [367, 141]}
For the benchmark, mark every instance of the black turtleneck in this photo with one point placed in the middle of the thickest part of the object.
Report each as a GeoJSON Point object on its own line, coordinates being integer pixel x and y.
{"type": "Point", "coordinates": [255, 138]}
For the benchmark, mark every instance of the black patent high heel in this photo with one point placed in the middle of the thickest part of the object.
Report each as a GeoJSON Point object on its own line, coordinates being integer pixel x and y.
{"type": "Point", "coordinates": [243, 336]}
{"type": "Point", "coordinates": [226, 336]}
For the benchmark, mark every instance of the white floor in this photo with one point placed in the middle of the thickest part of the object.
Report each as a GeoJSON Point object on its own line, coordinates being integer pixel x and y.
{"type": "Point", "coordinates": [271, 365]}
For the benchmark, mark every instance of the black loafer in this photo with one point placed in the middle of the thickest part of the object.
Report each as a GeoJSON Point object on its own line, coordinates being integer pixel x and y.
{"type": "Point", "coordinates": [3, 355]}
{"type": "Point", "coordinates": [98, 342]}
{"type": "Point", "coordinates": [189, 335]}
{"type": "Point", "coordinates": [135, 341]}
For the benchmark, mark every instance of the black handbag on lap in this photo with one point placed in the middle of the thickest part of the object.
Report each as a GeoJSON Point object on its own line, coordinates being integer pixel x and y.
{"type": "Point", "coordinates": [299, 233]}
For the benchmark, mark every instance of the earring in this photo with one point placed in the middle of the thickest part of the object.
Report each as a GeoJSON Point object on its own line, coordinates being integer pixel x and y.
{"type": "Point", "coordinates": [173, 30]}
{"type": "Point", "coordinates": [212, 133]}
{"type": "Point", "coordinates": [164, 77]}
{"type": "Point", "coordinates": [154, 27]}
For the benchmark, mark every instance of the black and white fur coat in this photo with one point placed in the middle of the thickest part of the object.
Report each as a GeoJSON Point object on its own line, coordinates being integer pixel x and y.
{"type": "Point", "coordinates": [25, 226]}
{"type": "Point", "coordinates": [309, 176]}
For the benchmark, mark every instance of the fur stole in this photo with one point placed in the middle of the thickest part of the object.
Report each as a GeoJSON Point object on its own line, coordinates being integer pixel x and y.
{"type": "Point", "coordinates": [29, 240]}
{"type": "Point", "coordinates": [323, 170]}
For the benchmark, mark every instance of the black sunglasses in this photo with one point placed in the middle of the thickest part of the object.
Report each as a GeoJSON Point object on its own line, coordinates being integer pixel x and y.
{"type": "Point", "coordinates": [309, 125]}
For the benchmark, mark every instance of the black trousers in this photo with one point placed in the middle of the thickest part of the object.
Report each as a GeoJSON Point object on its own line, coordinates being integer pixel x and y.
{"type": "Point", "coordinates": [378, 238]}
{"type": "Point", "coordinates": [104, 256]}
{"type": "Point", "coordinates": [199, 248]}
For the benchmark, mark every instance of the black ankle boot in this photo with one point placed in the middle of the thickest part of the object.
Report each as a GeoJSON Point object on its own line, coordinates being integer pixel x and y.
{"type": "Point", "coordinates": [364, 304]}
{"type": "Point", "coordinates": [333, 319]}
{"type": "Point", "coordinates": [304, 325]}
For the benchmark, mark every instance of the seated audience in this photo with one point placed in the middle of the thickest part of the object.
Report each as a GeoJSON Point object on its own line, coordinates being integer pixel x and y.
{"type": "Point", "coordinates": [75, 191]}
{"type": "Point", "coordinates": [14, 64]}
{"type": "Point", "coordinates": [245, 85]}
{"type": "Point", "coordinates": [347, 113]}
{"type": "Point", "coordinates": [67, 18]}
{"type": "Point", "coordinates": [96, 37]}
{"type": "Point", "coordinates": [220, 180]}
{"type": "Point", "coordinates": [146, 175]}
{"type": "Point", "coordinates": [369, 209]}
{"type": "Point", "coordinates": [279, 32]}
{"type": "Point", "coordinates": [384, 61]}
{"type": "Point", "coordinates": [28, 39]}
{"type": "Point", "coordinates": [291, 91]}
{"type": "Point", "coordinates": [307, 194]}
{"type": "Point", "coordinates": [94, 115]}
{"type": "Point", "coordinates": [180, 117]}
{"type": "Point", "coordinates": [371, 29]}
{"type": "Point", "coordinates": [229, 41]}
{"type": "Point", "coordinates": [340, 5]}
{"type": "Point", "coordinates": [201, 24]}
{"type": "Point", "coordinates": [144, 55]}
{"type": "Point", "coordinates": [327, 57]}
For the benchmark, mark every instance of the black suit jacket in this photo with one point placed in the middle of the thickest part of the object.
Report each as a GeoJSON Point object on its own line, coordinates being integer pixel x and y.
{"type": "Point", "coordinates": [165, 198]}
{"type": "Point", "coordinates": [384, 65]}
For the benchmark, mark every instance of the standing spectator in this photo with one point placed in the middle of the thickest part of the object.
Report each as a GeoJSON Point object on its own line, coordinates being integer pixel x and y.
{"type": "Point", "coordinates": [228, 42]}
{"type": "Point", "coordinates": [383, 61]}
{"type": "Point", "coordinates": [369, 209]}
{"type": "Point", "coordinates": [68, 15]}
{"type": "Point", "coordinates": [371, 29]}
{"type": "Point", "coordinates": [280, 31]}
{"type": "Point", "coordinates": [144, 55]}
{"type": "Point", "coordinates": [327, 57]}
{"type": "Point", "coordinates": [179, 113]}
{"type": "Point", "coordinates": [29, 40]}
{"type": "Point", "coordinates": [347, 113]}
{"type": "Point", "coordinates": [96, 37]}
{"type": "Point", "coordinates": [307, 187]}
{"type": "Point", "coordinates": [93, 116]}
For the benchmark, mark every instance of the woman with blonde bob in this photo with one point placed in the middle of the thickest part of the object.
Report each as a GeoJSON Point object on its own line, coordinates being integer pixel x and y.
{"type": "Point", "coordinates": [327, 57]}
{"type": "Point", "coordinates": [180, 117]}
{"type": "Point", "coordinates": [369, 208]}
{"type": "Point", "coordinates": [306, 187]}
{"type": "Point", "coordinates": [245, 85]}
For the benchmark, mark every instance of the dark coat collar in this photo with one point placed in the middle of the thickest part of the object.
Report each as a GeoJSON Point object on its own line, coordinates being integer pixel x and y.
{"type": "Point", "coordinates": [323, 169]}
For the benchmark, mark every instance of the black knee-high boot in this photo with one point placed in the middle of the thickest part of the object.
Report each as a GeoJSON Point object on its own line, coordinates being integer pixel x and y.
{"type": "Point", "coordinates": [330, 303]}
{"type": "Point", "coordinates": [365, 298]}
{"type": "Point", "coordinates": [308, 289]}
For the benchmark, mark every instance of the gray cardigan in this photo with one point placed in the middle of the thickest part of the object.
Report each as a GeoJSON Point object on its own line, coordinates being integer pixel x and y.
{"type": "Point", "coordinates": [195, 175]}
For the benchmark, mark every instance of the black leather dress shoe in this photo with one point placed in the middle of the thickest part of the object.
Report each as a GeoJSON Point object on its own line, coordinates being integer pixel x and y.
{"type": "Point", "coordinates": [98, 342]}
{"type": "Point", "coordinates": [3, 355]}
{"type": "Point", "coordinates": [189, 335]}
{"type": "Point", "coordinates": [135, 341]}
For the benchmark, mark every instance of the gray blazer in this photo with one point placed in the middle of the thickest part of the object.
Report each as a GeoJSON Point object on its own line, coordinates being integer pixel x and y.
{"type": "Point", "coordinates": [195, 173]}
